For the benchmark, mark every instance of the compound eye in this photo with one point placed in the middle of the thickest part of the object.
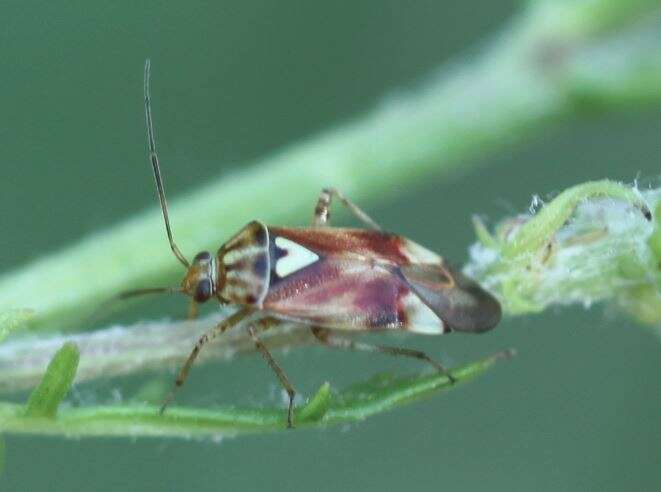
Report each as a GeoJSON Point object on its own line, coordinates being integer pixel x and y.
{"type": "Point", "coordinates": [203, 256]}
{"type": "Point", "coordinates": [203, 290]}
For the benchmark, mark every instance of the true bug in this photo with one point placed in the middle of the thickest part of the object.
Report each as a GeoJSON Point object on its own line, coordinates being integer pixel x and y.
{"type": "Point", "coordinates": [330, 279]}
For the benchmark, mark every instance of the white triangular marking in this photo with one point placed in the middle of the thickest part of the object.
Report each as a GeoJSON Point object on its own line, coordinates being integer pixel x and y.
{"type": "Point", "coordinates": [297, 257]}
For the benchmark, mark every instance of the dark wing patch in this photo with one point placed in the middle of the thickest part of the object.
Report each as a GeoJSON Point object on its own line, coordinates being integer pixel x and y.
{"type": "Point", "coordinates": [458, 300]}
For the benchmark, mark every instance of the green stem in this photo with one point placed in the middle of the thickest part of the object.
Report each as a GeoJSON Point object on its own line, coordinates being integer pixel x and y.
{"type": "Point", "coordinates": [325, 408]}
{"type": "Point", "coordinates": [545, 65]}
{"type": "Point", "coordinates": [146, 346]}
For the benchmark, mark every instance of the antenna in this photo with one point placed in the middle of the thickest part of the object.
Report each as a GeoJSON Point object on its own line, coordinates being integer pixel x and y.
{"type": "Point", "coordinates": [153, 157]}
{"type": "Point", "coordinates": [127, 294]}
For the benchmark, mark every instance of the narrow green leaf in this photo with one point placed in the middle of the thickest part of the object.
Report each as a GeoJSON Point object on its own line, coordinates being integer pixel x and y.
{"type": "Point", "coordinates": [384, 392]}
{"type": "Point", "coordinates": [483, 234]}
{"type": "Point", "coordinates": [46, 398]}
{"type": "Point", "coordinates": [377, 395]}
{"type": "Point", "coordinates": [317, 407]}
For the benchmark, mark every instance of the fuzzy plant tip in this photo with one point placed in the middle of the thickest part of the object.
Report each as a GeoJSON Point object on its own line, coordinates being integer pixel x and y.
{"type": "Point", "coordinates": [595, 241]}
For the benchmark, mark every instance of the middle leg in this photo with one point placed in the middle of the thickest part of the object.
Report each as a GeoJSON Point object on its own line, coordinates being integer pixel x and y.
{"type": "Point", "coordinates": [221, 327]}
{"type": "Point", "coordinates": [322, 210]}
{"type": "Point", "coordinates": [192, 310]}
{"type": "Point", "coordinates": [275, 367]}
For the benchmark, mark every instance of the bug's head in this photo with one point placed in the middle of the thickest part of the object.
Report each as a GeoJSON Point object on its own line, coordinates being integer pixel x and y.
{"type": "Point", "coordinates": [200, 279]}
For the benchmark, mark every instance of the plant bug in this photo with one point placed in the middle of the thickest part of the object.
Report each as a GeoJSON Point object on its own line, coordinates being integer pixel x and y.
{"type": "Point", "coordinates": [327, 279]}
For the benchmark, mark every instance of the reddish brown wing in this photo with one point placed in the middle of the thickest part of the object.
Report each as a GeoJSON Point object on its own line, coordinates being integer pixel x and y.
{"type": "Point", "coordinates": [358, 279]}
{"type": "Point", "coordinates": [357, 243]}
{"type": "Point", "coordinates": [459, 301]}
{"type": "Point", "coordinates": [350, 294]}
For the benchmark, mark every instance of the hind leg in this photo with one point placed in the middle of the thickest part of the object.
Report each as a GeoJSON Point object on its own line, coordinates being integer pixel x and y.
{"type": "Point", "coordinates": [322, 210]}
{"type": "Point", "coordinates": [326, 337]}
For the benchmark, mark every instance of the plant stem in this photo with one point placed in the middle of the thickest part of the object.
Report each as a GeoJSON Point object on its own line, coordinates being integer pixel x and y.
{"type": "Point", "coordinates": [352, 405]}
{"type": "Point", "coordinates": [120, 351]}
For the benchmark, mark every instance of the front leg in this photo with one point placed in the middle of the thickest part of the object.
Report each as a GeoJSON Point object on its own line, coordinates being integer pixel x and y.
{"type": "Point", "coordinates": [192, 310]}
{"type": "Point", "coordinates": [322, 210]}
{"type": "Point", "coordinates": [221, 327]}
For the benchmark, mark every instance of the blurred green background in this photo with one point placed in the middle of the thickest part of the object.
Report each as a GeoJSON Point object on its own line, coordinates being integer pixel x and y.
{"type": "Point", "coordinates": [579, 409]}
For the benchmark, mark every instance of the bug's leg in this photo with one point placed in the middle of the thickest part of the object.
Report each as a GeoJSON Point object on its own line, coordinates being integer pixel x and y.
{"type": "Point", "coordinates": [291, 393]}
{"type": "Point", "coordinates": [192, 309]}
{"type": "Point", "coordinates": [221, 327]}
{"type": "Point", "coordinates": [321, 216]}
{"type": "Point", "coordinates": [322, 210]}
{"type": "Point", "coordinates": [334, 341]}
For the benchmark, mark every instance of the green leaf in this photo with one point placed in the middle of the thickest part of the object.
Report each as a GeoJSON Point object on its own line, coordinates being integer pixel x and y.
{"type": "Point", "coordinates": [377, 395]}
{"type": "Point", "coordinates": [383, 392]}
{"type": "Point", "coordinates": [46, 398]}
{"type": "Point", "coordinates": [483, 234]}
{"type": "Point", "coordinates": [317, 407]}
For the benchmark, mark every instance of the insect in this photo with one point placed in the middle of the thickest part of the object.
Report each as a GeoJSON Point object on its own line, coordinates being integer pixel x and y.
{"type": "Point", "coordinates": [330, 280]}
